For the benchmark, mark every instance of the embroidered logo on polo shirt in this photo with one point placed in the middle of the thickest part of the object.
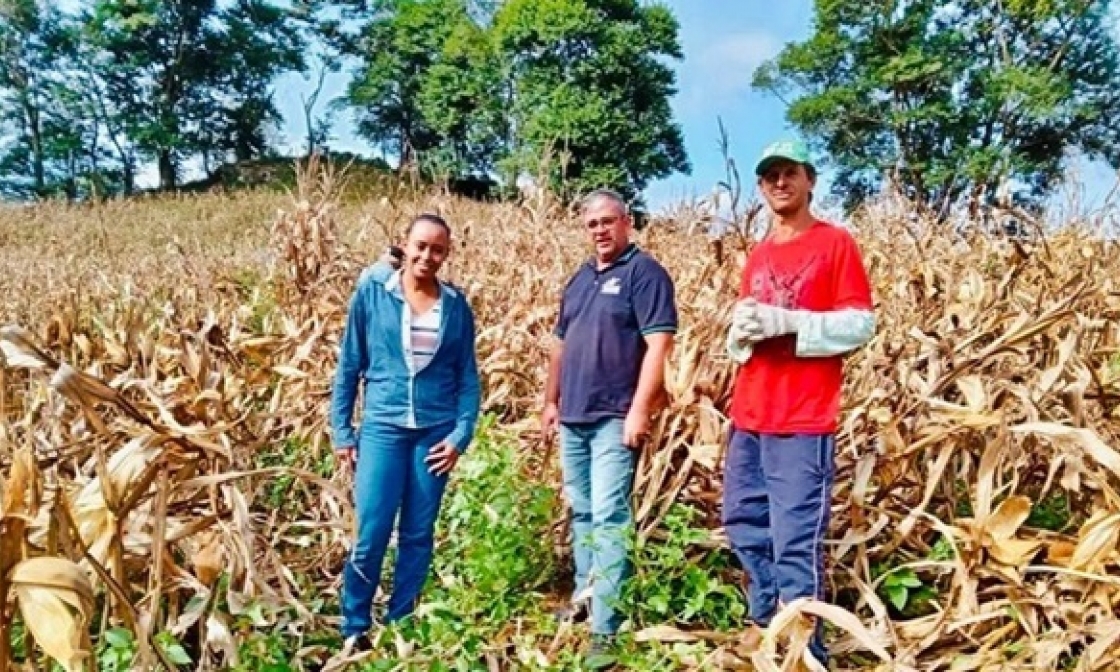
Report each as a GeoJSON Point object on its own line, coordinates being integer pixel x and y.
{"type": "Point", "coordinates": [611, 286]}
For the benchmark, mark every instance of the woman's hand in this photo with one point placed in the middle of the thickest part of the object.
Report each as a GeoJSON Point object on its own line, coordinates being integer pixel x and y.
{"type": "Point", "coordinates": [344, 458]}
{"type": "Point", "coordinates": [442, 458]}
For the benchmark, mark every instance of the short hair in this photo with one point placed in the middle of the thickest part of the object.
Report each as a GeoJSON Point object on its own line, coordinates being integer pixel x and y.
{"type": "Point", "coordinates": [431, 218]}
{"type": "Point", "coordinates": [810, 172]}
{"type": "Point", "coordinates": [604, 194]}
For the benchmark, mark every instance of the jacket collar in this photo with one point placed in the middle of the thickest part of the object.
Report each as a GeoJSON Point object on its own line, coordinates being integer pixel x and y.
{"type": "Point", "coordinates": [393, 286]}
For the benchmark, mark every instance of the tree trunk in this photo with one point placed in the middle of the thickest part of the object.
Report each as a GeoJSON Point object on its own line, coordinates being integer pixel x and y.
{"type": "Point", "coordinates": [309, 120]}
{"type": "Point", "coordinates": [405, 153]}
{"type": "Point", "coordinates": [974, 203]}
{"type": "Point", "coordinates": [71, 186]}
{"type": "Point", "coordinates": [128, 177]}
{"type": "Point", "coordinates": [243, 151]}
{"type": "Point", "coordinates": [166, 170]}
{"type": "Point", "coordinates": [35, 137]}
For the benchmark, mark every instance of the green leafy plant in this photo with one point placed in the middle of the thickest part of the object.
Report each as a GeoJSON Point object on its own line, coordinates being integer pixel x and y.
{"type": "Point", "coordinates": [898, 586]}
{"type": "Point", "coordinates": [901, 587]}
{"type": "Point", "coordinates": [117, 650]}
{"type": "Point", "coordinates": [1052, 513]}
{"type": "Point", "coordinates": [678, 579]}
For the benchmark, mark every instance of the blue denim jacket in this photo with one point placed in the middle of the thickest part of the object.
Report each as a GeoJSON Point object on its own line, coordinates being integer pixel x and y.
{"type": "Point", "coordinates": [446, 389]}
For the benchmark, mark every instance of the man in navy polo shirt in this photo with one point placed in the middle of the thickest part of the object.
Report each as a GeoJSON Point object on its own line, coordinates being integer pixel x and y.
{"type": "Point", "coordinates": [615, 329]}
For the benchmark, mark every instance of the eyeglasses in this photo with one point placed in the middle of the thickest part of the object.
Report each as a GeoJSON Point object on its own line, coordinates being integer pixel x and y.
{"type": "Point", "coordinates": [605, 222]}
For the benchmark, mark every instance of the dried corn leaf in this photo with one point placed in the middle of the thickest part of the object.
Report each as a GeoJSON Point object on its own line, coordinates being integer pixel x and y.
{"type": "Point", "coordinates": [55, 600]}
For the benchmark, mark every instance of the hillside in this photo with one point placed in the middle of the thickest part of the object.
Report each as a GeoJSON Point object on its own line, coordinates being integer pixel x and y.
{"type": "Point", "coordinates": [167, 375]}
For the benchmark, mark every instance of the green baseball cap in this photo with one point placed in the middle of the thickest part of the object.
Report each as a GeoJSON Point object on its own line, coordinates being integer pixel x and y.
{"type": "Point", "coordinates": [789, 149]}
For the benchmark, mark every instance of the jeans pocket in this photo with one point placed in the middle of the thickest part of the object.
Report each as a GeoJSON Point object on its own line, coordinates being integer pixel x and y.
{"type": "Point", "coordinates": [824, 455]}
{"type": "Point", "coordinates": [809, 451]}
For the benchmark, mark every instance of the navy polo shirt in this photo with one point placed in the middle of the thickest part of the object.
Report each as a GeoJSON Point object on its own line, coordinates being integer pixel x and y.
{"type": "Point", "coordinates": [604, 316]}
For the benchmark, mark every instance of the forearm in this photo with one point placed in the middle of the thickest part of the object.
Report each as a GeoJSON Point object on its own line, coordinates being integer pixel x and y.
{"type": "Point", "coordinates": [352, 363]}
{"type": "Point", "coordinates": [825, 334]}
{"type": "Point", "coordinates": [470, 401]}
{"type": "Point", "coordinates": [469, 390]}
{"type": "Point", "coordinates": [552, 384]}
{"type": "Point", "coordinates": [343, 397]}
{"type": "Point", "coordinates": [651, 378]}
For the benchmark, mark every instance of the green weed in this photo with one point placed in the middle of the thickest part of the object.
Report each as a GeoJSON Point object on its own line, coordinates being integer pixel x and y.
{"type": "Point", "coordinates": [676, 580]}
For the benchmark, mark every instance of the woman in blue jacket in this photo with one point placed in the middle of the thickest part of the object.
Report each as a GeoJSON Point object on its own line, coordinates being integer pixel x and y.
{"type": "Point", "coordinates": [411, 338]}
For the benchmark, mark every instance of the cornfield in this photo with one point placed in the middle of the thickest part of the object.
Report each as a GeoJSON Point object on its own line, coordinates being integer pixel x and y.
{"type": "Point", "coordinates": [154, 351]}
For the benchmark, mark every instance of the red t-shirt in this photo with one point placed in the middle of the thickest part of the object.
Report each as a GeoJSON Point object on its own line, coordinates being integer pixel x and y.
{"type": "Point", "coordinates": [775, 391]}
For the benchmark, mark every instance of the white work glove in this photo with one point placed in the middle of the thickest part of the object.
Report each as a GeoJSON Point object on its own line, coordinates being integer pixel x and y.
{"type": "Point", "coordinates": [763, 321]}
{"type": "Point", "coordinates": [744, 331]}
{"type": "Point", "coordinates": [738, 349]}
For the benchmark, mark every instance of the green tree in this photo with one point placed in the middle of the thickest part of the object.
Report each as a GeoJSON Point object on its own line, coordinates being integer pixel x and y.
{"type": "Point", "coordinates": [587, 82]}
{"type": "Point", "coordinates": [189, 77]}
{"type": "Point", "coordinates": [954, 101]}
{"type": "Point", "coordinates": [25, 55]}
{"type": "Point", "coordinates": [399, 43]}
{"type": "Point", "coordinates": [84, 67]}
{"type": "Point", "coordinates": [463, 100]}
{"type": "Point", "coordinates": [259, 41]}
{"type": "Point", "coordinates": [476, 86]}
{"type": "Point", "coordinates": [54, 140]}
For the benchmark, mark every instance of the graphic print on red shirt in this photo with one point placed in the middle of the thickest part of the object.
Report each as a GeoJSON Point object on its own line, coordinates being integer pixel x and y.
{"type": "Point", "coordinates": [777, 392]}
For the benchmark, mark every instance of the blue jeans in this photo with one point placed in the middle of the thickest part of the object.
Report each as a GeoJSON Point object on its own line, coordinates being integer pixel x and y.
{"type": "Point", "coordinates": [776, 496]}
{"type": "Point", "coordinates": [598, 477]}
{"type": "Point", "coordinates": [391, 476]}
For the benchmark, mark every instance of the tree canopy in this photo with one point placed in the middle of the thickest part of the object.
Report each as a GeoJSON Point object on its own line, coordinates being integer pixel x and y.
{"type": "Point", "coordinates": [89, 95]}
{"type": "Point", "coordinates": [955, 101]}
{"type": "Point", "coordinates": [93, 94]}
{"type": "Point", "coordinates": [461, 87]}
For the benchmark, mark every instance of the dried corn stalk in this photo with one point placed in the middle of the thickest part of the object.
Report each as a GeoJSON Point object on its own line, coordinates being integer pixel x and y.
{"type": "Point", "coordinates": [145, 402]}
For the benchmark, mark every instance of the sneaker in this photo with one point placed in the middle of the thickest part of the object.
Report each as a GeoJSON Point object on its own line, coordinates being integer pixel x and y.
{"type": "Point", "coordinates": [576, 612]}
{"type": "Point", "coordinates": [357, 644]}
{"type": "Point", "coordinates": [599, 654]}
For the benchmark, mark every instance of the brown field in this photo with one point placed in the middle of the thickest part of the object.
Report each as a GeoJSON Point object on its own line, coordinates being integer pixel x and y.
{"type": "Point", "coordinates": [155, 350]}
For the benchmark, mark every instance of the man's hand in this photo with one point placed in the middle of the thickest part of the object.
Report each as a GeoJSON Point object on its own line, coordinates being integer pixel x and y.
{"type": "Point", "coordinates": [392, 256]}
{"type": "Point", "coordinates": [345, 458]}
{"type": "Point", "coordinates": [442, 458]}
{"type": "Point", "coordinates": [745, 328]}
{"type": "Point", "coordinates": [753, 321]}
{"type": "Point", "coordinates": [738, 347]}
{"type": "Point", "coordinates": [635, 430]}
{"type": "Point", "coordinates": [550, 420]}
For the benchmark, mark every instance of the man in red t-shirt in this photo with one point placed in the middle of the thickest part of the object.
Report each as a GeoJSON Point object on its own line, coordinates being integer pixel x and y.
{"type": "Point", "coordinates": [804, 302]}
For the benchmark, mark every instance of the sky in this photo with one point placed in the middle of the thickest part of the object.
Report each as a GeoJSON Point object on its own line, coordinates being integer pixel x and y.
{"type": "Point", "coordinates": [723, 42]}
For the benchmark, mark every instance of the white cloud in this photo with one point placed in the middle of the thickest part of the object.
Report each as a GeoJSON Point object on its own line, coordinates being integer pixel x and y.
{"type": "Point", "coordinates": [723, 68]}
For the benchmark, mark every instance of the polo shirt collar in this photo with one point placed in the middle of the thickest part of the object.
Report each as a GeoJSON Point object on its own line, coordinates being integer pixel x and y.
{"type": "Point", "coordinates": [626, 256]}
